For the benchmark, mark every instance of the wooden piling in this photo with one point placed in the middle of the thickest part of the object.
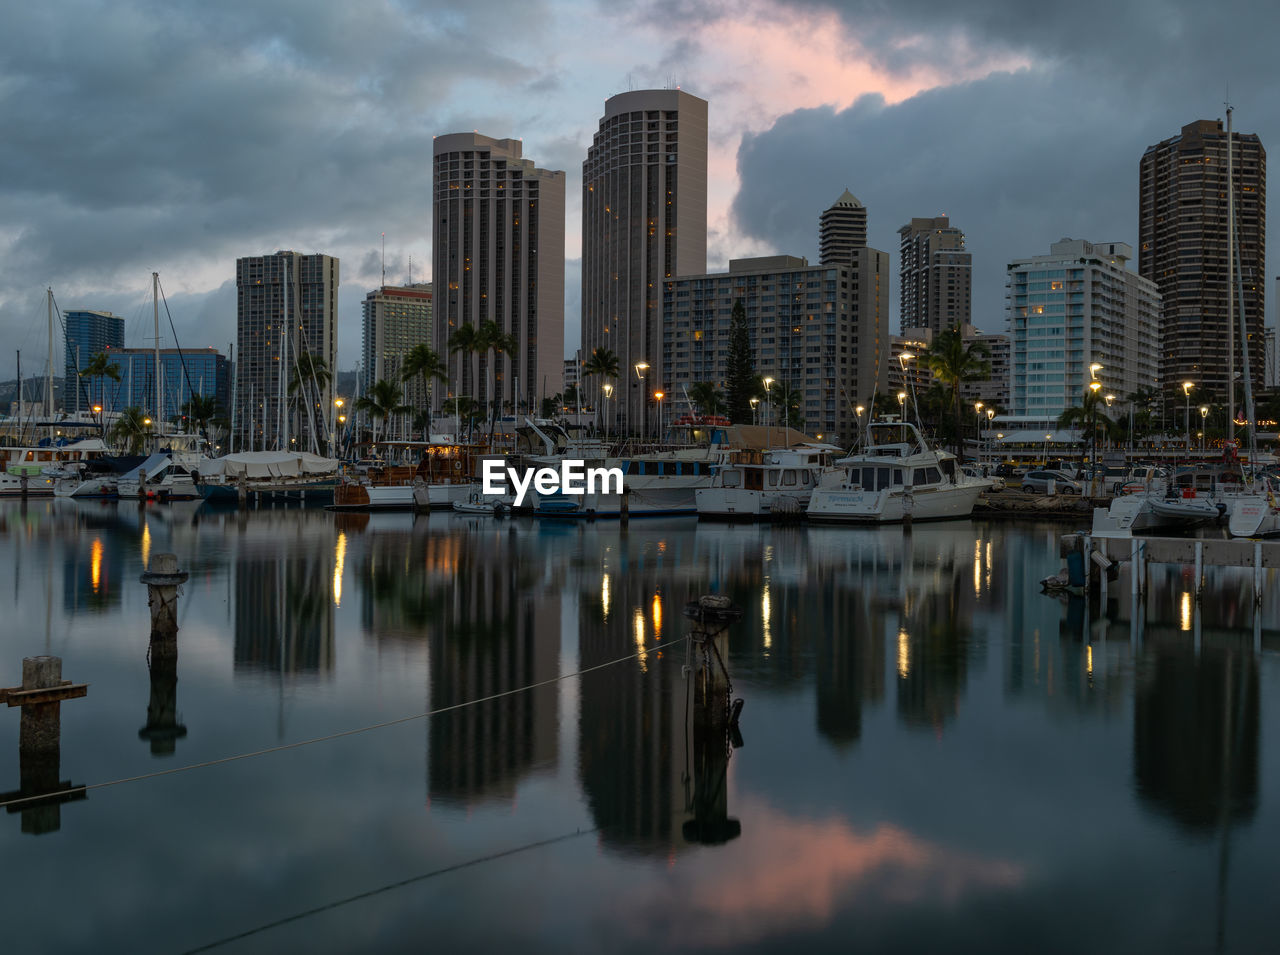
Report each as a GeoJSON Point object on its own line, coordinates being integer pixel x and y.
{"type": "Point", "coordinates": [163, 579]}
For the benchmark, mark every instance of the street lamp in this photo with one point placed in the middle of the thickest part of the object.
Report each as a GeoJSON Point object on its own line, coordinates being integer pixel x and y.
{"type": "Point", "coordinates": [641, 368]}
{"type": "Point", "coordinates": [1204, 424]}
{"type": "Point", "coordinates": [991, 414]}
{"type": "Point", "coordinates": [1046, 449]}
{"type": "Point", "coordinates": [607, 388]}
{"type": "Point", "coordinates": [977, 409]}
{"type": "Point", "coordinates": [658, 396]}
{"type": "Point", "coordinates": [858, 411]}
{"type": "Point", "coordinates": [908, 383]}
{"type": "Point", "coordinates": [1186, 390]}
{"type": "Point", "coordinates": [754, 403]}
{"type": "Point", "coordinates": [768, 421]}
{"type": "Point", "coordinates": [1094, 368]}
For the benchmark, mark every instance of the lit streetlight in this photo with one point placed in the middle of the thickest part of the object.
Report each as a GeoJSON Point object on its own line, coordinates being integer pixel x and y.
{"type": "Point", "coordinates": [658, 396]}
{"type": "Point", "coordinates": [641, 368]}
{"type": "Point", "coordinates": [768, 421]}
{"type": "Point", "coordinates": [1186, 391]}
{"type": "Point", "coordinates": [1204, 424]}
{"type": "Point", "coordinates": [607, 388]}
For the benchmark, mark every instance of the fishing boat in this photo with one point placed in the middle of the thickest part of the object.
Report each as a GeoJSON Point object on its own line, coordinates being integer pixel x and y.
{"type": "Point", "coordinates": [756, 484]}
{"type": "Point", "coordinates": [894, 476]}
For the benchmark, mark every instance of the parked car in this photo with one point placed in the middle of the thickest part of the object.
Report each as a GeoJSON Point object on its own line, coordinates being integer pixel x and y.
{"type": "Point", "coordinates": [985, 472]}
{"type": "Point", "coordinates": [1037, 482]}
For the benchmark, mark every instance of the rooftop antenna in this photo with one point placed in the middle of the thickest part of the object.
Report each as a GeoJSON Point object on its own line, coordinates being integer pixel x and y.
{"type": "Point", "coordinates": [410, 268]}
{"type": "Point", "coordinates": [384, 258]}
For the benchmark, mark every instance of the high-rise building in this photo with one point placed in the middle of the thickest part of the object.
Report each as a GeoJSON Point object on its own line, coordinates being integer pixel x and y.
{"type": "Point", "coordinates": [842, 229]}
{"type": "Point", "coordinates": [1182, 236]}
{"type": "Point", "coordinates": [935, 275]}
{"type": "Point", "coordinates": [498, 222]}
{"type": "Point", "coordinates": [286, 306]}
{"type": "Point", "coordinates": [1077, 307]}
{"type": "Point", "coordinates": [820, 330]}
{"type": "Point", "coordinates": [644, 222]}
{"type": "Point", "coordinates": [396, 318]}
{"type": "Point", "coordinates": [184, 373]}
{"type": "Point", "coordinates": [992, 391]}
{"type": "Point", "coordinates": [88, 333]}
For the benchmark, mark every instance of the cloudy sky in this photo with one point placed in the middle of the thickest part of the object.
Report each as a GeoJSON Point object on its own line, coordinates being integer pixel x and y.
{"type": "Point", "coordinates": [141, 136]}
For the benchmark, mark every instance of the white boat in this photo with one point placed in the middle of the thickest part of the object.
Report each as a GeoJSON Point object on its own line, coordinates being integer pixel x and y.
{"type": "Point", "coordinates": [756, 484]}
{"type": "Point", "coordinates": [486, 504]}
{"type": "Point", "coordinates": [29, 481]}
{"type": "Point", "coordinates": [655, 485]}
{"type": "Point", "coordinates": [894, 475]}
{"type": "Point", "coordinates": [1150, 512]}
{"type": "Point", "coordinates": [266, 476]}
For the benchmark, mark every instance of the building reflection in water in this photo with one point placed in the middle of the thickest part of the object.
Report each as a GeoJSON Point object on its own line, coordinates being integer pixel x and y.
{"type": "Point", "coordinates": [283, 587]}
{"type": "Point", "coordinates": [492, 629]}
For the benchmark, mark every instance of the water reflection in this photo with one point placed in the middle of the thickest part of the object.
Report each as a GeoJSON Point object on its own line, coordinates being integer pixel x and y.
{"type": "Point", "coordinates": [283, 588]}
{"type": "Point", "coordinates": [494, 631]}
{"type": "Point", "coordinates": [163, 728]}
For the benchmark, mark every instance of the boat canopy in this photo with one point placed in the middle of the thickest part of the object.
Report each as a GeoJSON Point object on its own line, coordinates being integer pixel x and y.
{"type": "Point", "coordinates": [269, 464]}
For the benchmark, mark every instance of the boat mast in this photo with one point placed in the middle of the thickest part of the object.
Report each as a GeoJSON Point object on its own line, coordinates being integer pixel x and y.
{"type": "Point", "coordinates": [1231, 283]}
{"type": "Point", "coordinates": [231, 438]}
{"type": "Point", "coordinates": [155, 316]}
{"type": "Point", "coordinates": [48, 387]}
{"type": "Point", "coordinates": [21, 425]}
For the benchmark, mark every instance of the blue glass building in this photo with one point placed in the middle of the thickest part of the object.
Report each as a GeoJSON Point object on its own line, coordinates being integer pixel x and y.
{"type": "Point", "coordinates": [183, 373]}
{"type": "Point", "coordinates": [87, 332]}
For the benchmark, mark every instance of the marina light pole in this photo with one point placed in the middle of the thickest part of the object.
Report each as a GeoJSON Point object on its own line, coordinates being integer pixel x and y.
{"type": "Point", "coordinates": [754, 417]}
{"type": "Point", "coordinates": [1094, 387]}
{"type": "Point", "coordinates": [1186, 391]}
{"type": "Point", "coordinates": [657, 397]}
{"type": "Point", "coordinates": [1204, 424]}
{"type": "Point", "coordinates": [641, 368]}
{"type": "Point", "coordinates": [977, 450]}
{"type": "Point", "coordinates": [991, 415]}
{"type": "Point", "coordinates": [607, 388]}
{"type": "Point", "coordinates": [858, 411]}
{"type": "Point", "coordinates": [768, 410]}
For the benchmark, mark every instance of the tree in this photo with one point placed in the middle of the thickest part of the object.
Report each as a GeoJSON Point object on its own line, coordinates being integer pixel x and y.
{"type": "Point", "coordinates": [550, 406]}
{"type": "Point", "coordinates": [787, 402]}
{"type": "Point", "coordinates": [421, 361]}
{"type": "Point", "coordinates": [707, 398]}
{"type": "Point", "coordinates": [100, 366]}
{"type": "Point", "coordinates": [199, 410]}
{"type": "Point", "coordinates": [381, 402]}
{"type": "Point", "coordinates": [602, 364]}
{"type": "Point", "coordinates": [491, 338]}
{"type": "Point", "coordinates": [308, 379]}
{"type": "Point", "coordinates": [740, 377]}
{"type": "Point", "coordinates": [130, 429]}
{"type": "Point", "coordinates": [955, 362]}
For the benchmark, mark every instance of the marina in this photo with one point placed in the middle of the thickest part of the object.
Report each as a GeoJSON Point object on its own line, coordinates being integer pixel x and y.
{"type": "Point", "coordinates": [910, 711]}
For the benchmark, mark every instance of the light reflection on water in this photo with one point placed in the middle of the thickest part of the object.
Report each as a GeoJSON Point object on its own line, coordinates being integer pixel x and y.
{"type": "Point", "coordinates": [934, 750]}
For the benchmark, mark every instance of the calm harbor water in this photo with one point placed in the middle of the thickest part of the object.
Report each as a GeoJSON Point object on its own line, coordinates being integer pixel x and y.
{"type": "Point", "coordinates": [936, 756]}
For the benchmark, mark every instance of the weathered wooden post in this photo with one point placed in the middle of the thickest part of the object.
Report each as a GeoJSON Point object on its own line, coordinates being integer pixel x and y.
{"type": "Point", "coordinates": [39, 743]}
{"type": "Point", "coordinates": [715, 720]}
{"type": "Point", "coordinates": [163, 580]}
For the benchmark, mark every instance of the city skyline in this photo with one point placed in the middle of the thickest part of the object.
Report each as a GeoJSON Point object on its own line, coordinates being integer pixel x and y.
{"type": "Point", "coordinates": [806, 99]}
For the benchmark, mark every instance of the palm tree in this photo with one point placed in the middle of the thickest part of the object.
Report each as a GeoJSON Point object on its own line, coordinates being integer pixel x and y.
{"type": "Point", "coordinates": [130, 429]}
{"type": "Point", "coordinates": [491, 338]}
{"type": "Point", "coordinates": [462, 342]}
{"type": "Point", "coordinates": [200, 410]}
{"type": "Point", "coordinates": [954, 362]}
{"type": "Point", "coordinates": [381, 401]}
{"type": "Point", "coordinates": [1091, 418]}
{"type": "Point", "coordinates": [706, 398]}
{"type": "Point", "coordinates": [603, 363]}
{"type": "Point", "coordinates": [310, 375]}
{"type": "Point", "coordinates": [101, 366]}
{"type": "Point", "coordinates": [423, 362]}
{"type": "Point", "coordinates": [787, 400]}
{"type": "Point", "coordinates": [464, 408]}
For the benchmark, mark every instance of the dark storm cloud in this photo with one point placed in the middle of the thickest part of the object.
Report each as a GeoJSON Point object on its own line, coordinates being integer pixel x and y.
{"type": "Point", "coordinates": [143, 136]}
{"type": "Point", "coordinates": [1017, 160]}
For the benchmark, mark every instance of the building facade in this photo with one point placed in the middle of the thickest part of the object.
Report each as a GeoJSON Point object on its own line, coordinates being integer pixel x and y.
{"type": "Point", "coordinates": [935, 276]}
{"type": "Point", "coordinates": [644, 222]}
{"type": "Point", "coordinates": [286, 306]}
{"type": "Point", "coordinates": [88, 332]}
{"type": "Point", "coordinates": [184, 373]}
{"type": "Point", "coordinates": [1079, 306]}
{"type": "Point", "coordinates": [1182, 236]}
{"type": "Point", "coordinates": [498, 222]}
{"type": "Point", "coordinates": [822, 331]}
{"type": "Point", "coordinates": [395, 319]}
{"type": "Point", "coordinates": [993, 391]}
{"type": "Point", "coordinates": [842, 229]}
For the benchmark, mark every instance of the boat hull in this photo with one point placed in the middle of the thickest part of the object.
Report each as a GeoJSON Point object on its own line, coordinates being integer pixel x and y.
{"type": "Point", "coordinates": [848, 506]}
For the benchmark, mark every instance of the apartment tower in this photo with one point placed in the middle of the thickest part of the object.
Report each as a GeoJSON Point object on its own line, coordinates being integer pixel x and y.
{"type": "Point", "coordinates": [286, 307]}
{"type": "Point", "coordinates": [841, 230]}
{"type": "Point", "coordinates": [644, 222]}
{"type": "Point", "coordinates": [87, 333]}
{"type": "Point", "coordinates": [395, 319]}
{"type": "Point", "coordinates": [935, 273]}
{"type": "Point", "coordinates": [498, 222]}
{"type": "Point", "coordinates": [1182, 236]}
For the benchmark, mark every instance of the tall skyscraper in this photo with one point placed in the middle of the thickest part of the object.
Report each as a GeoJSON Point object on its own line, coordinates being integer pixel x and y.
{"type": "Point", "coordinates": [286, 306]}
{"type": "Point", "coordinates": [1073, 308]}
{"type": "Point", "coordinates": [88, 332]}
{"type": "Point", "coordinates": [644, 222]}
{"type": "Point", "coordinates": [841, 230]}
{"type": "Point", "coordinates": [396, 318]}
{"type": "Point", "coordinates": [1182, 236]}
{"type": "Point", "coordinates": [936, 276]}
{"type": "Point", "coordinates": [499, 256]}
